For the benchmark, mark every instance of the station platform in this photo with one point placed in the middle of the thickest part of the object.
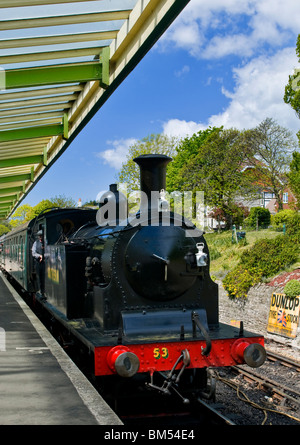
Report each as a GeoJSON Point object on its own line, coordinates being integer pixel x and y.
{"type": "Point", "coordinates": [39, 383]}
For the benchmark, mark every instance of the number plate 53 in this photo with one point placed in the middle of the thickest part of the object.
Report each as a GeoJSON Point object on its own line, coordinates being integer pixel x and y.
{"type": "Point", "coordinates": [160, 353]}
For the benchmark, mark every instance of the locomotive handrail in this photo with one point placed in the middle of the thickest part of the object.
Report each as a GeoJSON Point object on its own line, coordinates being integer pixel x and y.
{"type": "Point", "coordinates": [196, 320]}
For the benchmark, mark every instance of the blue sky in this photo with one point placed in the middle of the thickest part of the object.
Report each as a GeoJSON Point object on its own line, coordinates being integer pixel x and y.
{"type": "Point", "coordinates": [220, 63]}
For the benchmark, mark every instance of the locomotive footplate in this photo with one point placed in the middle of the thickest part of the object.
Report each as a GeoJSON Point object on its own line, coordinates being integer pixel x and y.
{"type": "Point", "coordinates": [161, 355]}
{"type": "Point", "coordinates": [229, 346]}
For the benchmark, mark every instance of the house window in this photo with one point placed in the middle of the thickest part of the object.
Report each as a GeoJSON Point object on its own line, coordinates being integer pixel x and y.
{"type": "Point", "coordinates": [267, 196]}
{"type": "Point", "coordinates": [285, 199]}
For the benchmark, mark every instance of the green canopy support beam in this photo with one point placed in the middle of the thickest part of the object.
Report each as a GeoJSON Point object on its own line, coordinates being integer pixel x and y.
{"type": "Point", "coordinates": [26, 160]}
{"type": "Point", "coordinates": [45, 156]}
{"type": "Point", "coordinates": [11, 190]}
{"type": "Point", "coordinates": [8, 198]}
{"type": "Point", "coordinates": [18, 3]}
{"type": "Point", "coordinates": [53, 75]}
{"type": "Point", "coordinates": [58, 78]}
{"type": "Point", "coordinates": [58, 39]}
{"type": "Point", "coordinates": [31, 132]}
{"type": "Point", "coordinates": [65, 127]}
{"type": "Point", "coordinates": [17, 178]}
{"type": "Point", "coordinates": [50, 55]}
{"type": "Point", "coordinates": [61, 20]}
{"type": "Point", "coordinates": [104, 59]}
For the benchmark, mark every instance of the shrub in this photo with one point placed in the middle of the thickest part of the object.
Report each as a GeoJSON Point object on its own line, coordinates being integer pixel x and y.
{"type": "Point", "coordinates": [292, 288]}
{"type": "Point", "coordinates": [293, 228]}
{"type": "Point", "coordinates": [282, 217]}
{"type": "Point", "coordinates": [264, 259]}
{"type": "Point", "coordinates": [260, 216]}
{"type": "Point", "coordinates": [271, 255]}
{"type": "Point", "coordinates": [239, 280]}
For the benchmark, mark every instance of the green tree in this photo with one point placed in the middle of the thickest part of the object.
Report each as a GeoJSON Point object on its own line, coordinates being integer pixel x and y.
{"type": "Point", "coordinates": [155, 143]}
{"type": "Point", "coordinates": [270, 147]}
{"type": "Point", "coordinates": [62, 201]}
{"type": "Point", "coordinates": [292, 89]}
{"type": "Point", "coordinates": [185, 153]}
{"type": "Point", "coordinates": [294, 177]}
{"type": "Point", "coordinates": [4, 229]}
{"type": "Point", "coordinates": [216, 170]}
{"type": "Point", "coordinates": [258, 217]}
{"type": "Point", "coordinates": [43, 206]}
{"type": "Point", "coordinates": [91, 203]}
{"type": "Point", "coordinates": [21, 215]}
{"type": "Point", "coordinates": [26, 212]}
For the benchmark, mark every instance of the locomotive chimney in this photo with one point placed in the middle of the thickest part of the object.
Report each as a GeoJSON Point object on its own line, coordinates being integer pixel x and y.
{"type": "Point", "coordinates": [152, 175]}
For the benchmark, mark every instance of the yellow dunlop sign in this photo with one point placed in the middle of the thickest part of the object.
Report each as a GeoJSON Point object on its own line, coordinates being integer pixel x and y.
{"type": "Point", "coordinates": [284, 315]}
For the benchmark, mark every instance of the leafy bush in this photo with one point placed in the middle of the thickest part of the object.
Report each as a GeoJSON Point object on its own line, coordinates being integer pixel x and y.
{"type": "Point", "coordinates": [232, 214]}
{"type": "Point", "coordinates": [292, 288]}
{"type": "Point", "coordinates": [293, 227]}
{"type": "Point", "coordinates": [271, 255]}
{"type": "Point", "coordinates": [282, 217]}
{"type": "Point", "coordinates": [264, 259]}
{"type": "Point", "coordinates": [239, 280]}
{"type": "Point", "coordinates": [260, 216]}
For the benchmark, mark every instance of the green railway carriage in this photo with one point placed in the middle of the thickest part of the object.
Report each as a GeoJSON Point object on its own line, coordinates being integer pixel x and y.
{"type": "Point", "coordinates": [15, 255]}
{"type": "Point", "coordinates": [16, 246]}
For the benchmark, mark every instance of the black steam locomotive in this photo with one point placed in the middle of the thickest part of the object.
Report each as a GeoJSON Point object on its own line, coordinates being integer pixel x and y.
{"type": "Point", "coordinates": [134, 291]}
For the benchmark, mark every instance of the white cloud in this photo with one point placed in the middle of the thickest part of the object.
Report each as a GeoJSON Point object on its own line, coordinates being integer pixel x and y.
{"type": "Point", "coordinates": [258, 93]}
{"type": "Point", "coordinates": [262, 33]}
{"type": "Point", "coordinates": [184, 70]}
{"type": "Point", "coordinates": [115, 156]}
{"type": "Point", "coordinates": [216, 29]}
{"type": "Point", "coordinates": [176, 127]}
{"type": "Point", "coordinates": [221, 46]}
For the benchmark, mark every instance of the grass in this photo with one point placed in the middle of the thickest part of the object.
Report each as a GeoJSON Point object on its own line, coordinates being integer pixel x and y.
{"type": "Point", "coordinates": [225, 255]}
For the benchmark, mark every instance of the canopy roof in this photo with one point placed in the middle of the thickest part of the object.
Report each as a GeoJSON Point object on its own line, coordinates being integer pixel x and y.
{"type": "Point", "coordinates": [60, 61]}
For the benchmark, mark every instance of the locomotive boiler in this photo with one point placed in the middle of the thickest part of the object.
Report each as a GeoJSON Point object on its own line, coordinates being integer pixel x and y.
{"type": "Point", "coordinates": [135, 291]}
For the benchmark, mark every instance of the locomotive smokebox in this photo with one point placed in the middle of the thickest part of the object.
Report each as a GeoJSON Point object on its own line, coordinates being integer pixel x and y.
{"type": "Point", "coordinates": [152, 176]}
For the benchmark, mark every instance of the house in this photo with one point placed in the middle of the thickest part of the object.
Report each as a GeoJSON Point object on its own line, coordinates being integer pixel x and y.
{"type": "Point", "coordinates": [262, 197]}
{"type": "Point", "coordinates": [265, 196]}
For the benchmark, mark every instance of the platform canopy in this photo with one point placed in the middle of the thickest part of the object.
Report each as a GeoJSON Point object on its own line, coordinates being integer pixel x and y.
{"type": "Point", "coordinates": [60, 61]}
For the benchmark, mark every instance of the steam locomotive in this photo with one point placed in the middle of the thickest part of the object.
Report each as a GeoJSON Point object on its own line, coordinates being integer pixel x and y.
{"type": "Point", "coordinates": [133, 291]}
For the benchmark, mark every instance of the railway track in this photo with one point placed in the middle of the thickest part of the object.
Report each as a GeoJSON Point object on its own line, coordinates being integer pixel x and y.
{"type": "Point", "coordinates": [272, 390]}
{"type": "Point", "coordinates": [200, 413]}
{"type": "Point", "coordinates": [215, 414]}
{"type": "Point", "coordinates": [250, 391]}
{"type": "Point", "coordinates": [285, 361]}
{"type": "Point", "coordinates": [278, 390]}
